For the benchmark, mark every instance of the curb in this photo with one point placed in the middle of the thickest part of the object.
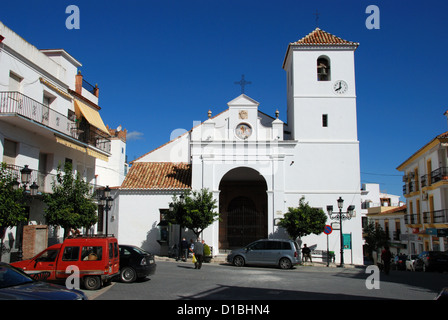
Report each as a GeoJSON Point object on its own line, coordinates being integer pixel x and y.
{"type": "Point", "coordinates": [222, 260]}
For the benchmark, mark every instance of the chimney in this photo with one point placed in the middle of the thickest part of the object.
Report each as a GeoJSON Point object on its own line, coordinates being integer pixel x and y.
{"type": "Point", "coordinates": [446, 114]}
{"type": "Point", "coordinates": [78, 82]}
{"type": "Point", "coordinates": [96, 90]}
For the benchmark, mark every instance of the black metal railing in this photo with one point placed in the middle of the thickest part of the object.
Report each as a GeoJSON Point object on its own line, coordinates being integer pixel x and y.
{"type": "Point", "coordinates": [16, 103]}
{"type": "Point", "coordinates": [411, 219]}
{"type": "Point", "coordinates": [44, 180]}
{"type": "Point", "coordinates": [439, 174]}
{"type": "Point", "coordinates": [436, 216]}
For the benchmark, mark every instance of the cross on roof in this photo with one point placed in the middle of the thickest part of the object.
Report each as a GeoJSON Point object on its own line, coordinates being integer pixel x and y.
{"type": "Point", "coordinates": [317, 18]}
{"type": "Point", "coordinates": [242, 83]}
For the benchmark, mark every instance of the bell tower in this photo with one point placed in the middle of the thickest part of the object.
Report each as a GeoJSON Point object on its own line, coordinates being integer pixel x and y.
{"type": "Point", "coordinates": [321, 95]}
{"type": "Point", "coordinates": [321, 112]}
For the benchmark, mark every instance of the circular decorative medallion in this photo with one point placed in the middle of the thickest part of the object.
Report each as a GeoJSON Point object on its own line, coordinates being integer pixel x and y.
{"type": "Point", "coordinates": [243, 131]}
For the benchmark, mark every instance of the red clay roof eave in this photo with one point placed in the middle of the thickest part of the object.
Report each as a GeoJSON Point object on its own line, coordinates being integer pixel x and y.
{"type": "Point", "coordinates": [321, 37]}
{"type": "Point", "coordinates": [154, 189]}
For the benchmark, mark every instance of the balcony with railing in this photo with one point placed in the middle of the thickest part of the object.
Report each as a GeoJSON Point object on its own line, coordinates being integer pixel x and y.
{"type": "Point", "coordinates": [429, 217]}
{"type": "Point", "coordinates": [439, 174]}
{"type": "Point", "coordinates": [411, 219]}
{"type": "Point", "coordinates": [437, 216]}
{"type": "Point", "coordinates": [44, 180]}
{"type": "Point", "coordinates": [426, 180]}
{"type": "Point", "coordinates": [16, 103]}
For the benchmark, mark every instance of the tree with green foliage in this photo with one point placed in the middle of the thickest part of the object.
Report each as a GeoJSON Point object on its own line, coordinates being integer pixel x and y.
{"type": "Point", "coordinates": [12, 202]}
{"type": "Point", "coordinates": [70, 206]}
{"type": "Point", "coordinates": [196, 212]}
{"type": "Point", "coordinates": [375, 238]}
{"type": "Point", "coordinates": [303, 220]}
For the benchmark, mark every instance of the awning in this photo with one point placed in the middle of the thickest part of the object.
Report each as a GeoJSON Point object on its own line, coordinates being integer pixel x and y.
{"type": "Point", "coordinates": [97, 155]}
{"type": "Point", "coordinates": [91, 115]}
{"type": "Point", "coordinates": [70, 144]}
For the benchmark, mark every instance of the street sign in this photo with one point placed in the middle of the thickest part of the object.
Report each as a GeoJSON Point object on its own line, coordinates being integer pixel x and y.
{"type": "Point", "coordinates": [347, 238]}
{"type": "Point", "coordinates": [328, 229]}
{"type": "Point", "coordinates": [335, 225]}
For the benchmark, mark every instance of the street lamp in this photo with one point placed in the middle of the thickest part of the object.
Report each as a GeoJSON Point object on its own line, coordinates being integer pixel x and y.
{"type": "Point", "coordinates": [341, 216]}
{"type": "Point", "coordinates": [178, 215]}
{"type": "Point", "coordinates": [182, 201]}
{"type": "Point", "coordinates": [25, 177]}
{"type": "Point", "coordinates": [106, 201]}
{"type": "Point", "coordinates": [25, 174]}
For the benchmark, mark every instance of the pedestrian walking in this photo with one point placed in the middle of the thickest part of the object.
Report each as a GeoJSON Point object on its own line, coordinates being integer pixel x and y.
{"type": "Point", "coordinates": [184, 248]}
{"type": "Point", "coordinates": [386, 256]}
{"type": "Point", "coordinates": [198, 253]}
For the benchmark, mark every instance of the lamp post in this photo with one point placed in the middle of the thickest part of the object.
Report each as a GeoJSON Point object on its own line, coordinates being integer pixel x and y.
{"type": "Point", "coordinates": [25, 177]}
{"type": "Point", "coordinates": [341, 216]}
{"type": "Point", "coordinates": [106, 201]}
{"type": "Point", "coordinates": [178, 214]}
{"type": "Point", "coordinates": [182, 201]}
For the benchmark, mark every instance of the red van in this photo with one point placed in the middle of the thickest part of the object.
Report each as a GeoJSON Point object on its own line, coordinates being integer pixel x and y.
{"type": "Point", "coordinates": [96, 257]}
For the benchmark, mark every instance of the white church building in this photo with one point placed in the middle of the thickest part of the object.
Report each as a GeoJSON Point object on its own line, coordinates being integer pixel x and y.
{"type": "Point", "coordinates": [256, 165]}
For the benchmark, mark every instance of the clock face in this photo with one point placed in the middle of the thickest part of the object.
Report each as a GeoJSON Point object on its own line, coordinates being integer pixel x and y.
{"type": "Point", "coordinates": [340, 87]}
{"type": "Point", "coordinates": [243, 131]}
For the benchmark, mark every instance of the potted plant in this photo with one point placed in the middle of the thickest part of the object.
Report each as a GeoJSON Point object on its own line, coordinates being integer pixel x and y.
{"type": "Point", "coordinates": [207, 253]}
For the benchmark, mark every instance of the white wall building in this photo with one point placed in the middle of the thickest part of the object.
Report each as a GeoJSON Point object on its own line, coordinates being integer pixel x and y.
{"type": "Point", "coordinates": [426, 191]}
{"type": "Point", "coordinates": [372, 197]}
{"type": "Point", "coordinates": [113, 171]}
{"type": "Point", "coordinates": [47, 117]}
{"type": "Point", "coordinates": [256, 165]}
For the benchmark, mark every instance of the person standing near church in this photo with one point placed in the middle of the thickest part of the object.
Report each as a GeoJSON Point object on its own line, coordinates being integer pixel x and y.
{"type": "Point", "coordinates": [306, 252]}
{"type": "Point", "coordinates": [198, 253]}
{"type": "Point", "coordinates": [184, 248]}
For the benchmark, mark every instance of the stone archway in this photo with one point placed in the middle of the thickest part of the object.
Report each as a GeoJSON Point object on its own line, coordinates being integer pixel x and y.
{"type": "Point", "coordinates": [243, 208]}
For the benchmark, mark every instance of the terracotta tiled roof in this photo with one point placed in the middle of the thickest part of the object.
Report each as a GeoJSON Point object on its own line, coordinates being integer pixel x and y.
{"type": "Point", "coordinates": [397, 210]}
{"type": "Point", "coordinates": [158, 175]}
{"type": "Point", "coordinates": [320, 37]}
{"type": "Point", "coordinates": [443, 135]}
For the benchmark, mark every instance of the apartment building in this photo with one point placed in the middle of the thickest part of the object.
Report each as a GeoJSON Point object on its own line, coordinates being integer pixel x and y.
{"type": "Point", "coordinates": [49, 115]}
{"type": "Point", "coordinates": [426, 191]}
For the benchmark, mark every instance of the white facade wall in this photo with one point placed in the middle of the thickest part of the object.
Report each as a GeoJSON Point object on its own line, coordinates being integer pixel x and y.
{"type": "Point", "coordinates": [319, 163]}
{"type": "Point", "coordinates": [112, 172]}
{"type": "Point", "coordinates": [43, 74]}
{"type": "Point", "coordinates": [431, 197]}
{"type": "Point", "coordinates": [138, 217]}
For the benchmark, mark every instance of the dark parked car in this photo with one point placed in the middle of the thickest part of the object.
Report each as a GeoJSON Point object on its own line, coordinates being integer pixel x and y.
{"type": "Point", "coordinates": [431, 260]}
{"type": "Point", "coordinates": [17, 285]}
{"type": "Point", "coordinates": [135, 263]}
{"type": "Point", "coordinates": [399, 262]}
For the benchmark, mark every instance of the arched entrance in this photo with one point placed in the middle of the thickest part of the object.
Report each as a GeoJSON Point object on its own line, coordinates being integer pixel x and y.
{"type": "Point", "coordinates": [243, 208]}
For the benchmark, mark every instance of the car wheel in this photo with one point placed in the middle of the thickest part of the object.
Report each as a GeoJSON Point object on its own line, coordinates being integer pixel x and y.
{"type": "Point", "coordinates": [238, 261]}
{"type": "Point", "coordinates": [128, 274]}
{"type": "Point", "coordinates": [285, 263]}
{"type": "Point", "coordinates": [92, 282]}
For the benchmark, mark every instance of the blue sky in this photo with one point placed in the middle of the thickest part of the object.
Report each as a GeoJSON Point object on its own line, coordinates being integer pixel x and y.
{"type": "Point", "coordinates": [160, 65]}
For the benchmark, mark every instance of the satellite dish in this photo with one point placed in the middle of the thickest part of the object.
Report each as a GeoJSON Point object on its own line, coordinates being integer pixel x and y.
{"type": "Point", "coordinates": [119, 128]}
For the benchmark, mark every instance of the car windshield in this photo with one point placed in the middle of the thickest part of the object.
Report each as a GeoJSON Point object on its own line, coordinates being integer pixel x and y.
{"type": "Point", "coordinates": [139, 250]}
{"type": "Point", "coordinates": [10, 277]}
